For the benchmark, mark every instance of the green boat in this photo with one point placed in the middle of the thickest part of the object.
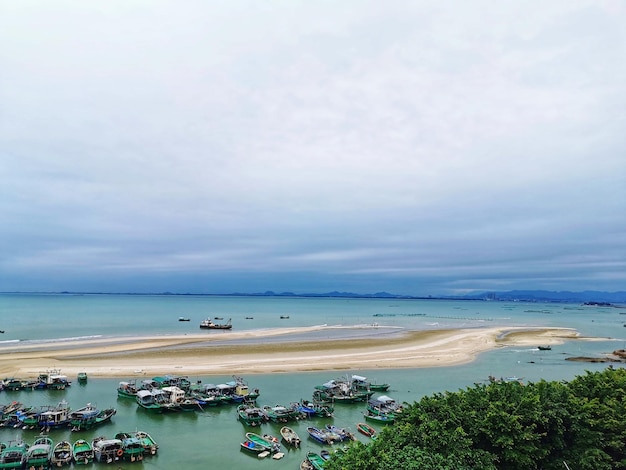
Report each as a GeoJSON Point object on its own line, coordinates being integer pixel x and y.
{"type": "Point", "coordinates": [132, 447]}
{"type": "Point", "coordinates": [267, 443]}
{"type": "Point", "coordinates": [12, 454]}
{"type": "Point", "coordinates": [251, 415]}
{"type": "Point", "coordinates": [149, 444]}
{"type": "Point", "coordinates": [82, 452]}
{"type": "Point", "coordinates": [127, 389]}
{"type": "Point", "coordinates": [281, 414]}
{"type": "Point", "coordinates": [379, 418]}
{"type": "Point", "coordinates": [82, 377]}
{"type": "Point", "coordinates": [39, 454]}
{"type": "Point", "coordinates": [315, 460]}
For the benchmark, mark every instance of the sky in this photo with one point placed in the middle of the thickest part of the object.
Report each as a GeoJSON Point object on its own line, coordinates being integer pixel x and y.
{"type": "Point", "coordinates": [412, 147]}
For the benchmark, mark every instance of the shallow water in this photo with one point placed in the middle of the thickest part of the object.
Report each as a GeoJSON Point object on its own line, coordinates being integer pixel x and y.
{"type": "Point", "coordinates": [210, 439]}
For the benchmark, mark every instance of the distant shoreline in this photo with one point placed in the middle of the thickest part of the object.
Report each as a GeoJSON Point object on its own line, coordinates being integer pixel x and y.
{"type": "Point", "coordinates": [265, 354]}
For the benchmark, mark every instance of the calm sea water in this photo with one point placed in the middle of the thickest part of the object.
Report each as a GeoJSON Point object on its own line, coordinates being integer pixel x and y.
{"type": "Point", "coordinates": [210, 439]}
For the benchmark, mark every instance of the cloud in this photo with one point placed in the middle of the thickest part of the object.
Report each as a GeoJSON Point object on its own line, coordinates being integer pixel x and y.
{"type": "Point", "coordinates": [411, 146]}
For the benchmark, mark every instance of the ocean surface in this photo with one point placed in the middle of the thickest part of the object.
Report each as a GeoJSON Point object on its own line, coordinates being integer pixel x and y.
{"type": "Point", "coordinates": [210, 439]}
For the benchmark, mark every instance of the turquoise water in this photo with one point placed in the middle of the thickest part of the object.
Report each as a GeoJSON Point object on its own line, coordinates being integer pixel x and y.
{"type": "Point", "coordinates": [210, 439]}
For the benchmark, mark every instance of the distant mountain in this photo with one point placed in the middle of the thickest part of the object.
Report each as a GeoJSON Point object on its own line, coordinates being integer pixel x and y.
{"type": "Point", "coordinates": [550, 296]}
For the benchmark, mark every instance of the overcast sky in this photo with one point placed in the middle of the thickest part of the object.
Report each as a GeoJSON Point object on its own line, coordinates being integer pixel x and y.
{"type": "Point", "coordinates": [414, 147]}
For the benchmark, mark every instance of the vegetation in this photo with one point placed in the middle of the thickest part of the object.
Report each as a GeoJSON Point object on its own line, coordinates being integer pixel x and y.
{"type": "Point", "coordinates": [506, 425]}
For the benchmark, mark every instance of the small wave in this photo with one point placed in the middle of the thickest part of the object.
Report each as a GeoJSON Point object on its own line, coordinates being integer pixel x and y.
{"type": "Point", "coordinates": [10, 341]}
{"type": "Point", "coordinates": [57, 340]}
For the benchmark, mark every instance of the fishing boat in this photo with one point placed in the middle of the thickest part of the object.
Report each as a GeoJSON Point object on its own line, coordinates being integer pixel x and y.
{"type": "Point", "coordinates": [362, 383]}
{"type": "Point", "coordinates": [107, 450]}
{"type": "Point", "coordinates": [12, 454]}
{"type": "Point", "coordinates": [184, 319]}
{"type": "Point", "coordinates": [82, 377]}
{"type": "Point", "coordinates": [84, 417]}
{"type": "Point", "coordinates": [379, 418]}
{"type": "Point", "coordinates": [316, 460]}
{"type": "Point", "coordinates": [251, 415]}
{"type": "Point", "coordinates": [132, 447]}
{"type": "Point", "coordinates": [280, 413]}
{"type": "Point", "coordinates": [82, 452]}
{"type": "Point", "coordinates": [261, 441]}
{"type": "Point", "coordinates": [39, 454]}
{"type": "Point", "coordinates": [127, 389]}
{"type": "Point", "coordinates": [254, 447]}
{"type": "Point", "coordinates": [29, 418]}
{"type": "Point", "coordinates": [290, 436]}
{"type": "Point", "coordinates": [56, 417]}
{"type": "Point", "coordinates": [366, 429]}
{"type": "Point", "coordinates": [150, 446]}
{"type": "Point", "coordinates": [61, 454]}
{"type": "Point", "coordinates": [341, 433]}
{"type": "Point", "coordinates": [320, 435]}
{"type": "Point", "coordinates": [306, 465]}
{"type": "Point", "coordinates": [544, 348]}
{"type": "Point", "coordinates": [211, 325]}
{"type": "Point", "coordinates": [53, 379]}
{"type": "Point", "coordinates": [340, 391]}
{"type": "Point", "coordinates": [384, 405]}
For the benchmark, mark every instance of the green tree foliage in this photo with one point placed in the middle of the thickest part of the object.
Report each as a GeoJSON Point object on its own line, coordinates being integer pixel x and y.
{"type": "Point", "coordinates": [506, 425]}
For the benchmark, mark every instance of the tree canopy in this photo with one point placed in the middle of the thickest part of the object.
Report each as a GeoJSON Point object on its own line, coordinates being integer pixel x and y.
{"type": "Point", "coordinates": [579, 424]}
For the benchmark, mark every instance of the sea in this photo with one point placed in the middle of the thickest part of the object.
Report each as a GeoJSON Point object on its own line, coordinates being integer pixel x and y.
{"type": "Point", "coordinates": [211, 438]}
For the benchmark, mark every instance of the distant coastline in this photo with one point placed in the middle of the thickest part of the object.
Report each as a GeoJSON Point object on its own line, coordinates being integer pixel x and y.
{"type": "Point", "coordinates": [595, 298]}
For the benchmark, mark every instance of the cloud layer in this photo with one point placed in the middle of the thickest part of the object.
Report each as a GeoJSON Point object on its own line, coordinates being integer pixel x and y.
{"type": "Point", "coordinates": [411, 147]}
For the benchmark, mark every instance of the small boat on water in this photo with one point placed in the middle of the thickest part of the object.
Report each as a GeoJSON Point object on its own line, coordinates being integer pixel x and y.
{"type": "Point", "coordinates": [61, 454]}
{"type": "Point", "coordinates": [83, 417]}
{"type": "Point", "coordinates": [362, 383]}
{"type": "Point", "coordinates": [82, 452]}
{"type": "Point", "coordinates": [321, 436]}
{"type": "Point", "coordinates": [127, 389]}
{"type": "Point", "coordinates": [280, 413]}
{"type": "Point", "coordinates": [107, 450]}
{"type": "Point", "coordinates": [267, 443]}
{"type": "Point", "coordinates": [209, 324]}
{"type": "Point", "coordinates": [55, 417]}
{"type": "Point", "coordinates": [251, 415]}
{"type": "Point", "coordinates": [132, 447]}
{"type": "Point", "coordinates": [290, 436]}
{"type": "Point", "coordinates": [544, 348]}
{"type": "Point", "coordinates": [12, 454]}
{"type": "Point", "coordinates": [39, 454]}
{"type": "Point", "coordinates": [82, 377]}
{"type": "Point", "coordinates": [149, 444]}
{"type": "Point", "coordinates": [339, 434]}
{"type": "Point", "coordinates": [379, 418]}
{"type": "Point", "coordinates": [366, 429]}
{"type": "Point", "coordinates": [315, 460]}
{"type": "Point", "coordinates": [184, 319]}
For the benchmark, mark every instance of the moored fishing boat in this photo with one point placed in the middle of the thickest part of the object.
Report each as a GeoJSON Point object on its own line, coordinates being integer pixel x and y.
{"type": "Point", "coordinates": [341, 433]}
{"type": "Point", "coordinates": [251, 415]}
{"type": "Point", "coordinates": [268, 442]}
{"type": "Point", "coordinates": [149, 444]}
{"type": "Point", "coordinates": [107, 450]}
{"type": "Point", "coordinates": [82, 377]}
{"type": "Point", "coordinates": [127, 389]}
{"type": "Point", "coordinates": [362, 383]}
{"type": "Point", "coordinates": [366, 429]}
{"type": "Point", "coordinates": [83, 417]}
{"type": "Point", "coordinates": [384, 405]}
{"type": "Point", "coordinates": [39, 454]}
{"type": "Point", "coordinates": [319, 435]}
{"type": "Point", "coordinates": [82, 452]}
{"type": "Point", "coordinates": [211, 325]}
{"type": "Point", "coordinates": [61, 454]}
{"type": "Point", "coordinates": [290, 436]}
{"type": "Point", "coordinates": [12, 454]}
{"type": "Point", "coordinates": [280, 413]}
{"type": "Point", "coordinates": [56, 417]}
{"type": "Point", "coordinates": [379, 418]}
{"type": "Point", "coordinates": [132, 447]}
{"type": "Point", "coordinates": [315, 460]}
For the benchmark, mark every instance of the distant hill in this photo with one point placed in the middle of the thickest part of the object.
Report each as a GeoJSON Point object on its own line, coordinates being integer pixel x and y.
{"type": "Point", "coordinates": [593, 297]}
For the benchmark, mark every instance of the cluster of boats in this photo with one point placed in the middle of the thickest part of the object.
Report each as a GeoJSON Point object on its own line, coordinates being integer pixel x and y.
{"type": "Point", "coordinates": [349, 389]}
{"type": "Point", "coordinates": [177, 393]}
{"type": "Point", "coordinates": [44, 453]}
{"type": "Point", "coordinates": [252, 415]}
{"type": "Point", "coordinates": [49, 380]}
{"type": "Point", "coordinates": [46, 417]}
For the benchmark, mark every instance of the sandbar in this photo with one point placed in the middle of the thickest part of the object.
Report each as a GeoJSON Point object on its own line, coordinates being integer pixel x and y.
{"type": "Point", "coordinates": [225, 354]}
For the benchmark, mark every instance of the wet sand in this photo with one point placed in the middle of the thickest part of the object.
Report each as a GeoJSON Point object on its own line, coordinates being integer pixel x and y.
{"type": "Point", "coordinates": [266, 352]}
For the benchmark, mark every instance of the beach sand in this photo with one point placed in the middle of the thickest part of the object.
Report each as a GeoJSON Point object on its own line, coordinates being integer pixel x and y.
{"type": "Point", "coordinates": [198, 355]}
